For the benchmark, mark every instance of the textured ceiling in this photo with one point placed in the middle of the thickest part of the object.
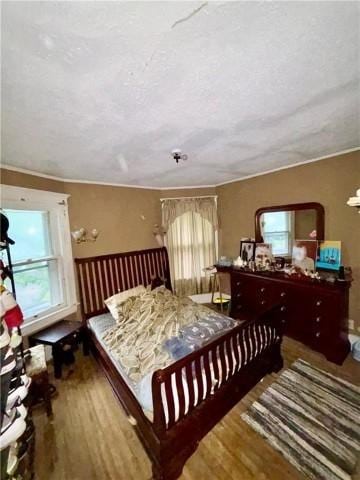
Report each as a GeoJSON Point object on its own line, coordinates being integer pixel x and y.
{"type": "Point", "coordinates": [103, 91]}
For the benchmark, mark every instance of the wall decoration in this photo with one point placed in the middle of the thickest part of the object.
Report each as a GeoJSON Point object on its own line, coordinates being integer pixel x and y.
{"type": "Point", "coordinates": [263, 254]}
{"type": "Point", "coordinates": [80, 235]}
{"type": "Point", "coordinates": [247, 250]}
{"type": "Point", "coordinates": [304, 254]}
{"type": "Point", "coordinates": [329, 255]}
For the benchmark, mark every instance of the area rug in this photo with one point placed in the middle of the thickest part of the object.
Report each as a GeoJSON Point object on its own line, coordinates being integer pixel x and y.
{"type": "Point", "coordinates": [313, 419]}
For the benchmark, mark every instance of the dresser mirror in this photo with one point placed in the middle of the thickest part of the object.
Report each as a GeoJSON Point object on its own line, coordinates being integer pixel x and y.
{"type": "Point", "coordinates": [281, 225]}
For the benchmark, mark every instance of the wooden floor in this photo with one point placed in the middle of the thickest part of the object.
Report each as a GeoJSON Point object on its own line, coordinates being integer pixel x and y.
{"type": "Point", "coordinates": [90, 437]}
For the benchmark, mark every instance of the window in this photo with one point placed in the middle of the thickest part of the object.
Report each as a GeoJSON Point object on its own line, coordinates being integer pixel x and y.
{"type": "Point", "coordinates": [191, 238]}
{"type": "Point", "coordinates": [193, 242]}
{"type": "Point", "coordinates": [277, 228]}
{"type": "Point", "coordinates": [41, 256]}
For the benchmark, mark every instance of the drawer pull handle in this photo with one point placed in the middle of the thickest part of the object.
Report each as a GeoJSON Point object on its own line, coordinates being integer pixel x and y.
{"type": "Point", "coordinates": [238, 284]}
{"type": "Point", "coordinates": [263, 302]}
{"type": "Point", "coordinates": [283, 308]}
{"type": "Point", "coordinates": [318, 303]}
{"type": "Point", "coordinates": [239, 307]}
{"type": "Point", "coordinates": [317, 334]}
{"type": "Point", "coordinates": [317, 319]}
{"type": "Point", "coordinates": [282, 294]}
{"type": "Point", "coordinates": [238, 295]}
{"type": "Point", "coordinates": [262, 289]}
{"type": "Point", "coordinates": [283, 321]}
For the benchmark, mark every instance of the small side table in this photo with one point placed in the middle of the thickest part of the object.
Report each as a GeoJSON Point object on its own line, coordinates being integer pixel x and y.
{"type": "Point", "coordinates": [58, 335]}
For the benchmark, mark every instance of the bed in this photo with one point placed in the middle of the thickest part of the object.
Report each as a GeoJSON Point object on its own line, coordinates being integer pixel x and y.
{"type": "Point", "coordinates": [186, 403]}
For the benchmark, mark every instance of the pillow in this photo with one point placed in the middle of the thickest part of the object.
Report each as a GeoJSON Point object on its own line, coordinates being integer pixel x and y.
{"type": "Point", "coordinates": [113, 302]}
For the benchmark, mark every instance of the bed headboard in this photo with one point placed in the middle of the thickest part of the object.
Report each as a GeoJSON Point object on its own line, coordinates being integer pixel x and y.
{"type": "Point", "coordinates": [102, 276]}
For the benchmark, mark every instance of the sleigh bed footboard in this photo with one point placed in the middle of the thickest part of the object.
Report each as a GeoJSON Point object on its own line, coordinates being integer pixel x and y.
{"type": "Point", "coordinates": [193, 394]}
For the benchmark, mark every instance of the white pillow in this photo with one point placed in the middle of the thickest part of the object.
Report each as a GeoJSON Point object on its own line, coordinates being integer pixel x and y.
{"type": "Point", "coordinates": [113, 302]}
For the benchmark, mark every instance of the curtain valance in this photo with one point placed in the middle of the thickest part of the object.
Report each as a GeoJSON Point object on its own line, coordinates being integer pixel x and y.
{"type": "Point", "coordinates": [173, 208]}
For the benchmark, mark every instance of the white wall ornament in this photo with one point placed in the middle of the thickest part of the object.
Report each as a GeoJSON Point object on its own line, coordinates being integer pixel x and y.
{"type": "Point", "coordinates": [355, 201]}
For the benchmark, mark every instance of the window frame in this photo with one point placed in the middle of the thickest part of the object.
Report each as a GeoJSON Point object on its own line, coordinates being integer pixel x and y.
{"type": "Point", "coordinates": [19, 198]}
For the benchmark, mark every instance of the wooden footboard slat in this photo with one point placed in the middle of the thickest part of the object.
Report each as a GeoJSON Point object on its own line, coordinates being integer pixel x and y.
{"type": "Point", "coordinates": [215, 363]}
{"type": "Point", "coordinates": [199, 380]}
{"type": "Point", "coordinates": [236, 352]}
{"type": "Point", "coordinates": [222, 356]}
{"type": "Point", "coordinates": [180, 392]}
{"type": "Point", "coordinates": [170, 401]}
{"type": "Point", "coordinates": [190, 383]}
{"type": "Point", "coordinates": [229, 355]}
{"type": "Point", "coordinates": [207, 371]}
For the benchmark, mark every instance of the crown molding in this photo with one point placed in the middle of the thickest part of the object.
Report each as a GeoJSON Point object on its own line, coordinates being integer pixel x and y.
{"type": "Point", "coordinates": [185, 187]}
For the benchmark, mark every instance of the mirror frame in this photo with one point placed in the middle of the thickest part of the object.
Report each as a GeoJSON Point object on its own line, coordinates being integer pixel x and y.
{"type": "Point", "coordinates": [320, 216]}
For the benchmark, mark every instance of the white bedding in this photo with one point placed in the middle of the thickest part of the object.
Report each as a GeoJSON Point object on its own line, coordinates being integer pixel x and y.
{"type": "Point", "coordinates": [142, 390]}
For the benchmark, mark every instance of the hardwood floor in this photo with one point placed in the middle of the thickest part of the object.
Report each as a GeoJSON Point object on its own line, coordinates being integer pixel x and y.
{"type": "Point", "coordinates": [90, 437]}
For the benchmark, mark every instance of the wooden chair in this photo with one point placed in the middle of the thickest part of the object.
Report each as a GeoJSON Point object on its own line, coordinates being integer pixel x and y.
{"type": "Point", "coordinates": [40, 388]}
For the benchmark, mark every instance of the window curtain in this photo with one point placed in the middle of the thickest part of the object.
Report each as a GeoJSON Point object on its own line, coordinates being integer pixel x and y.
{"type": "Point", "coordinates": [191, 239]}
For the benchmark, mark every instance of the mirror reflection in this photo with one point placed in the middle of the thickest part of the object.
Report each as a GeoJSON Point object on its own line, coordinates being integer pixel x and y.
{"type": "Point", "coordinates": [282, 228]}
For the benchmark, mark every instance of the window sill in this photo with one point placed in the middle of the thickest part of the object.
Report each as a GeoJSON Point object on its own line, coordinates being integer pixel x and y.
{"type": "Point", "coordinates": [28, 328]}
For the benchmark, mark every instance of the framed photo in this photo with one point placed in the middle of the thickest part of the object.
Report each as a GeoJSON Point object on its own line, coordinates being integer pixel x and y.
{"type": "Point", "coordinates": [304, 254]}
{"type": "Point", "coordinates": [247, 250]}
{"type": "Point", "coordinates": [262, 253]}
{"type": "Point", "coordinates": [329, 255]}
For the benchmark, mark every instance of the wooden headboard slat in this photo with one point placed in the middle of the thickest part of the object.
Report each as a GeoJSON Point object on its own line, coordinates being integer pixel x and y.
{"type": "Point", "coordinates": [102, 276]}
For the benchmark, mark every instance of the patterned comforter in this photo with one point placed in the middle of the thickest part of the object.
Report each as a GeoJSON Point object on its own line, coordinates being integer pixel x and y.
{"type": "Point", "coordinates": [157, 327]}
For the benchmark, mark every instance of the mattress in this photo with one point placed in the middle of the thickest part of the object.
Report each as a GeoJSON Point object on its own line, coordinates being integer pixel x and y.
{"type": "Point", "coordinates": [99, 325]}
{"type": "Point", "coordinates": [142, 390]}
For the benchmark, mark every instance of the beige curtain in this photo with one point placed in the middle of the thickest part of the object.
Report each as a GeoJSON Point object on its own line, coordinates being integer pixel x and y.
{"type": "Point", "coordinates": [191, 239]}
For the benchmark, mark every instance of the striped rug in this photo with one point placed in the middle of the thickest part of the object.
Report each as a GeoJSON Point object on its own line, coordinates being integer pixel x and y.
{"type": "Point", "coordinates": [313, 419]}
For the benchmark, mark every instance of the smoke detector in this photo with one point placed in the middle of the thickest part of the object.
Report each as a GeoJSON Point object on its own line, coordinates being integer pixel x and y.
{"type": "Point", "coordinates": [178, 155]}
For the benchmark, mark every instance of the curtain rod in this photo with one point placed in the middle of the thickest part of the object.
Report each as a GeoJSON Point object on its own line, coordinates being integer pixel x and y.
{"type": "Point", "coordinates": [180, 198]}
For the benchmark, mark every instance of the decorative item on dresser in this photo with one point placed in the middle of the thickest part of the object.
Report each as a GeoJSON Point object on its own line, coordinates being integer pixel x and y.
{"type": "Point", "coordinates": [313, 312]}
{"type": "Point", "coordinates": [192, 394]}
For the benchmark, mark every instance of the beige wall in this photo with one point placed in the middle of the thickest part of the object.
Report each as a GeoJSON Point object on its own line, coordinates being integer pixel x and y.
{"type": "Point", "coordinates": [330, 182]}
{"type": "Point", "coordinates": [8, 177]}
{"type": "Point", "coordinates": [125, 217]}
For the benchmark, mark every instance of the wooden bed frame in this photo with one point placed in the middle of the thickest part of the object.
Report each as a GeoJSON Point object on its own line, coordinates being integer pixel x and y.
{"type": "Point", "coordinates": [169, 443]}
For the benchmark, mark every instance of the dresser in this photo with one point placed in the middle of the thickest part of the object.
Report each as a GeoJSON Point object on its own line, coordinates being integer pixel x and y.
{"type": "Point", "coordinates": [314, 313]}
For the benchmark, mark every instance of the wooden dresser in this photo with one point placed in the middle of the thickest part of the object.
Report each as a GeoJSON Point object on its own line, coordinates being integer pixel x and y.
{"type": "Point", "coordinates": [313, 312]}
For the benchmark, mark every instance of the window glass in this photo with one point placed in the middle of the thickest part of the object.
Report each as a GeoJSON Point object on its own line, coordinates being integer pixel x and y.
{"type": "Point", "coordinates": [30, 230]}
{"type": "Point", "coordinates": [277, 231]}
{"type": "Point", "coordinates": [276, 221]}
{"type": "Point", "coordinates": [33, 288]}
{"type": "Point", "coordinates": [37, 282]}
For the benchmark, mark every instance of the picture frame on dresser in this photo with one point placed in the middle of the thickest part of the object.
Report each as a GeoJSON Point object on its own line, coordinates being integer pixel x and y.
{"type": "Point", "coordinates": [329, 255]}
{"type": "Point", "coordinates": [304, 254]}
{"type": "Point", "coordinates": [247, 250]}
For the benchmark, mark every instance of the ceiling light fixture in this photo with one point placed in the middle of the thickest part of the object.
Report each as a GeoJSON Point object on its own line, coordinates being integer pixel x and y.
{"type": "Point", "coordinates": [178, 155]}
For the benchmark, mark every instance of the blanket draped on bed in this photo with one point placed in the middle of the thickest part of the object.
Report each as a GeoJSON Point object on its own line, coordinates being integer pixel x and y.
{"type": "Point", "coordinates": [146, 322]}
